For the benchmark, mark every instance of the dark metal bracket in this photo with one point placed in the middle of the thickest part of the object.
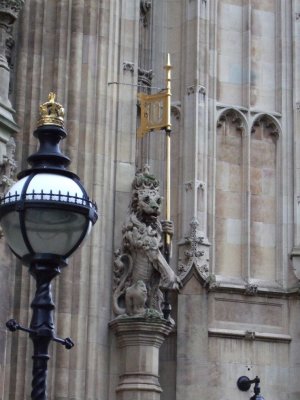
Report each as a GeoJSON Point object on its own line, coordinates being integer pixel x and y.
{"type": "Point", "coordinates": [13, 326]}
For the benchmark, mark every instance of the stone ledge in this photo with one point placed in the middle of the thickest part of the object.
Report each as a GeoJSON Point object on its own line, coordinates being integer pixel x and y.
{"type": "Point", "coordinates": [249, 335]}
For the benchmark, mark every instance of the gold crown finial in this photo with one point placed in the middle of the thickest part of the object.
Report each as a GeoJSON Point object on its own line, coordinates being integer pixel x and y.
{"type": "Point", "coordinates": [51, 112]}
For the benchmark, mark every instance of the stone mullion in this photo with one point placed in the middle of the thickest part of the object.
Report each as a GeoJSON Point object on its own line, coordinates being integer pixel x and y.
{"type": "Point", "coordinates": [296, 100]}
{"type": "Point", "coordinates": [288, 114]}
{"type": "Point", "coordinates": [246, 267]}
{"type": "Point", "coordinates": [246, 230]}
{"type": "Point", "coordinates": [195, 158]}
{"type": "Point", "coordinates": [71, 308]}
{"type": "Point", "coordinates": [34, 76]}
{"type": "Point", "coordinates": [153, 144]}
{"type": "Point", "coordinates": [89, 263]}
{"type": "Point", "coordinates": [120, 147]}
{"type": "Point", "coordinates": [247, 56]}
{"type": "Point", "coordinates": [212, 129]}
{"type": "Point", "coordinates": [246, 272]}
{"type": "Point", "coordinates": [190, 117]}
{"type": "Point", "coordinates": [9, 11]}
{"type": "Point", "coordinates": [58, 82]}
{"type": "Point", "coordinates": [104, 190]}
{"type": "Point", "coordinates": [86, 274]}
{"type": "Point", "coordinates": [201, 173]}
{"type": "Point", "coordinates": [75, 80]}
{"type": "Point", "coordinates": [296, 130]}
{"type": "Point", "coordinates": [30, 80]}
{"type": "Point", "coordinates": [62, 51]}
{"type": "Point", "coordinates": [21, 72]}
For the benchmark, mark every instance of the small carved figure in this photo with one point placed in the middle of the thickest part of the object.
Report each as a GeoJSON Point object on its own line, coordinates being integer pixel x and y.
{"type": "Point", "coordinates": [135, 298]}
{"type": "Point", "coordinates": [141, 258]}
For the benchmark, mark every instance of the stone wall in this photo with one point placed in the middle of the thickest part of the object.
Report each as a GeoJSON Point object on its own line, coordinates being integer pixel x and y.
{"type": "Point", "coordinates": [235, 182]}
{"type": "Point", "coordinates": [78, 49]}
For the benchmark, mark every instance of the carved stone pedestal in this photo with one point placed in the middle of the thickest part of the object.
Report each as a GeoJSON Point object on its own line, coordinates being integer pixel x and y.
{"type": "Point", "coordinates": [139, 339]}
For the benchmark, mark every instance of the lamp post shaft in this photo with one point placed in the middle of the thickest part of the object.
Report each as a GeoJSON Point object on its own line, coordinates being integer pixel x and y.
{"type": "Point", "coordinates": [42, 325]}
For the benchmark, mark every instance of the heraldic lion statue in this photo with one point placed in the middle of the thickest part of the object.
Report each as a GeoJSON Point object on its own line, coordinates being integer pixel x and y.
{"type": "Point", "coordinates": [140, 269]}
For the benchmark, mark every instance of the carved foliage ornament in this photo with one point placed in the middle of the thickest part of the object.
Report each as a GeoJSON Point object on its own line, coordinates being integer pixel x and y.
{"type": "Point", "coordinates": [145, 77]}
{"type": "Point", "coordinates": [196, 254]}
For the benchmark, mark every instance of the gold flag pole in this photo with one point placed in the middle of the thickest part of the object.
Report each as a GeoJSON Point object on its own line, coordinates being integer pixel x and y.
{"type": "Point", "coordinates": [168, 68]}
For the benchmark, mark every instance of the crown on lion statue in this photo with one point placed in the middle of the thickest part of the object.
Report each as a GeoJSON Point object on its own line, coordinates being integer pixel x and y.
{"type": "Point", "coordinates": [51, 112]}
{"type": "Point", "coordinates": [144, 180]}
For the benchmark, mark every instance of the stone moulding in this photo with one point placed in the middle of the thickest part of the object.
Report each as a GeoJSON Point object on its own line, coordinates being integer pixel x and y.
{"type": "Point", "coordinates": [248, 335]}
{"type": "Point", "coordinates": [253, 289]}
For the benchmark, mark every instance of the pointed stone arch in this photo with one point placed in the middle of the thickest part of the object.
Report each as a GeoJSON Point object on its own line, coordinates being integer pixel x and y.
{"type": "Point", "coordinates": [264, 196]}
{"type": "Point", "coordinates": [232, 128]}
{"type": "Point", "coordinates": [233, 115]}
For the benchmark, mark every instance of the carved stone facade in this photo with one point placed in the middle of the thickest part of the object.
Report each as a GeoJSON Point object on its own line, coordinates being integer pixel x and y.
{"type": "Point", "coordinates": [234, 191]}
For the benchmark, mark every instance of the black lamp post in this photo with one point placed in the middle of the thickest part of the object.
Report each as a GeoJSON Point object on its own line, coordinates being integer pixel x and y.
{"type": "Point", "coordinates": [45, 216]}
{"type": "Point", "coordinates": [244, 384]}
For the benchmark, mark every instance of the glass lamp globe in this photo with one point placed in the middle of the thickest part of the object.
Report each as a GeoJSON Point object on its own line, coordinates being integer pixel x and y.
{"type": "Point", "coordinates": [47, 213]}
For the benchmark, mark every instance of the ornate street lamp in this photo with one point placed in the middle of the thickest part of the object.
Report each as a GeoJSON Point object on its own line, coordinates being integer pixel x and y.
{"type": "Point", "coordinates": [244, 384]}
{"type": "Point", "coordinates": [45, 216]}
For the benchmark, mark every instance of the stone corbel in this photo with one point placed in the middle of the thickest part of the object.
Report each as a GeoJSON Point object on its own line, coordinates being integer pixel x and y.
{"type": "Point", "coordinates": [176, 110]}
{"type": "Point", "coordinates": [251, 289]}
{"type": "Point", "coordinates": [194, 185]}
{"type": "Point", "coordinates": [196, 88]}
{"type": "Point", "coordinates": [128, 66]}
